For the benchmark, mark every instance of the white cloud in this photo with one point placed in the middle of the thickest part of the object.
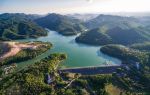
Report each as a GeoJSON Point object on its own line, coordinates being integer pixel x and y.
{"type": "Point", "coordinates": [89, 1]}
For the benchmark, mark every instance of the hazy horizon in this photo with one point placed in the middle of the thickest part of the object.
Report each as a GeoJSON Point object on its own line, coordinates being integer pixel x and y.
{"type": "Point", "coordinates": [73, 6]}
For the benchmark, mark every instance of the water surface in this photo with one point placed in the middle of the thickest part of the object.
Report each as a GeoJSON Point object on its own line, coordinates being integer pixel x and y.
{"type": "Point", "coordinates": [79, 55]}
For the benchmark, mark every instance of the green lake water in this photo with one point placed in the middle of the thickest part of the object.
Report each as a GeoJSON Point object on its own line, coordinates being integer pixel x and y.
{"type": "Point", "coordinates": [78, 55]}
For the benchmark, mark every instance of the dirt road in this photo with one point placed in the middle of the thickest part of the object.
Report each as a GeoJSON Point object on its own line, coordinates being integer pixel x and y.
{"type": "Point", "coordinates": [15, 48]}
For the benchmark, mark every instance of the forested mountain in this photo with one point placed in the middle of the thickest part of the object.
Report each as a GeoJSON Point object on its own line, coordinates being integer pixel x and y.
{"type": "Point", "coordinates": [142, 46]}
{"type": "Point", "coordinates": [106, 29]}
{"type": "Point", "coordinates": [125, 54]}
{"type": "Point", "coordinates": [94, 37]}
{"type": "Point", "coordinates": [135, 76]}
{"type": "Point", "coordinates": [115, 35]}
{"type": "Point", "coordinates": [65, 25]}
{"type": "Point", "coordinates": [19, 26]}
{"type": "Point", "coordinates": [145, 20]}
{"type": "Point", "coordinates": [103, 29]}
{"type": "Point", "coordinates": [111, 21]}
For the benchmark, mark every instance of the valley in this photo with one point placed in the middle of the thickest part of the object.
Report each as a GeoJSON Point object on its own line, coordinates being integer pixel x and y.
{"type": "Point", "coordinates": [64, 55]}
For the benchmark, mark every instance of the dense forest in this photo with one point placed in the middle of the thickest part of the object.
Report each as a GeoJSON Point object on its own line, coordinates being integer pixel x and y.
{"type": "Point", "coordinates": [102, 29]}
{"type": "Point", "coordinates": [141, 46]}
{"type": "Point", "coordinates": [65, 25]}
{"type": "Point", "coordinates": [33, 80]}
{"type": "Point", "coordinates": [105, 29]}
{"type": "Point", "coordinates": [125, 53]}
{"type": "Point", "coordinates": [125, 38]}
{"type": "Point", "coordinates": [135, 76]}
{"type": "Point", "coordinates": [19, 26]}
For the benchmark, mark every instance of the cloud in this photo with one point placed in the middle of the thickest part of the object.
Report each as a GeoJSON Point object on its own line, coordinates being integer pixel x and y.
{"type": "Point", "coordinates": [89, 1]}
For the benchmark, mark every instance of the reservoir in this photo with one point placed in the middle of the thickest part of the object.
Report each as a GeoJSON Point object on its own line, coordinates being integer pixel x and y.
{"type": "Point", "coordinates": [78, 55]}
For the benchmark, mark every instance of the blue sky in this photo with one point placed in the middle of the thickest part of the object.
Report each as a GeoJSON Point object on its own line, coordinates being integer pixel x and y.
{"type": "Point", "coordinates": [73, 6]}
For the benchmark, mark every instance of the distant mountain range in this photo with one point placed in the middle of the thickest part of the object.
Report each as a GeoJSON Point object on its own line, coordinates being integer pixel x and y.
{"type": "Point", "coordinates": [111, 21]}
{"type": "Point", "coordinates": [108, 29]}
{"type": "Point", "coordinates": [95, 29]}
{"type": "Point", "coordinates": [83, 17]}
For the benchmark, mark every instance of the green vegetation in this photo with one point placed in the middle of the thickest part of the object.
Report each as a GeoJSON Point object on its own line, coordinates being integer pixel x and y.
{"type": "Point", "coordinates": [125, 54]}
{"type": "Point", "coordinates": [117, 35]}
{"type": "Point", "coordinates": [113, 90]}
{"type": "Point", "coordinates": [27, 54]}
{"type": "Point", "coordinates": [19, 26]}
{"type": "Point", "coordinates": [131, 78]}
{"type": "Point", "coordinates": [97, 83]}
{"type": "Point", "coordinates": [63, 24]}
{"type": "Point", "coordinates": [107, 29]}
{"type": "Point", "coordinates": [111, 21]}
{"type": "Point", "coordinates": [87, 85]}
{"type": "Point", "coordinates": [31, 80]}
{"type": "Point", "coordinates": [142, 46]}
{"type": "Point", "coordinates": [94, 37]}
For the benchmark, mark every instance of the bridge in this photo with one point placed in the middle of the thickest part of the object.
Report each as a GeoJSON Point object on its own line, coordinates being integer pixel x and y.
{"type": "Point", "coordinates": [92, 70]}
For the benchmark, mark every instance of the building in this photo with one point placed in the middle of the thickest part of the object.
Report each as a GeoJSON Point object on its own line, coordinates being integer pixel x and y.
{"type": "Point", "coordinates": [48, 79]}
{"type": "Point", "coordinates": [137, 64]}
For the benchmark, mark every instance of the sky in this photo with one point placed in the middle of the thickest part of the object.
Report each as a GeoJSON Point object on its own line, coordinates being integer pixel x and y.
{"type": "Point", "coordinates": [73, 6]}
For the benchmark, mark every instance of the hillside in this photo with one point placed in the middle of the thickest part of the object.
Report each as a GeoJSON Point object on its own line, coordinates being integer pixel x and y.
{"type": "Point", "coordinates": [44, 78]}
{"type": "Point", "coordinates": [124, 53]}
{"type": "Point", "coordinates": [142, 46]}
{"type": "Point", "coordinates": [115, 35]}
{"type": "Point", "coordinates": [112, 21]}
{"type": "Point", "coordinates": [15, 52]}
{"type": "Point", "coordinates": [63, 24]}
{"type": "Point", "coordinates": [134, 77]}
{"type": "Point", "coordinates": [94, 37]}
{"type": "Point", "coordinates": [145, 20]}
{"type": "Point", "coordinates": [106, 29]}
{"type": "Point", "coordinates": [19, 26]}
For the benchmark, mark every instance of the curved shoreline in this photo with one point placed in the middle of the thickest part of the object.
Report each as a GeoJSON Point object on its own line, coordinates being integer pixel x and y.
{"type": "Point", "coordinates": [77, 53]}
